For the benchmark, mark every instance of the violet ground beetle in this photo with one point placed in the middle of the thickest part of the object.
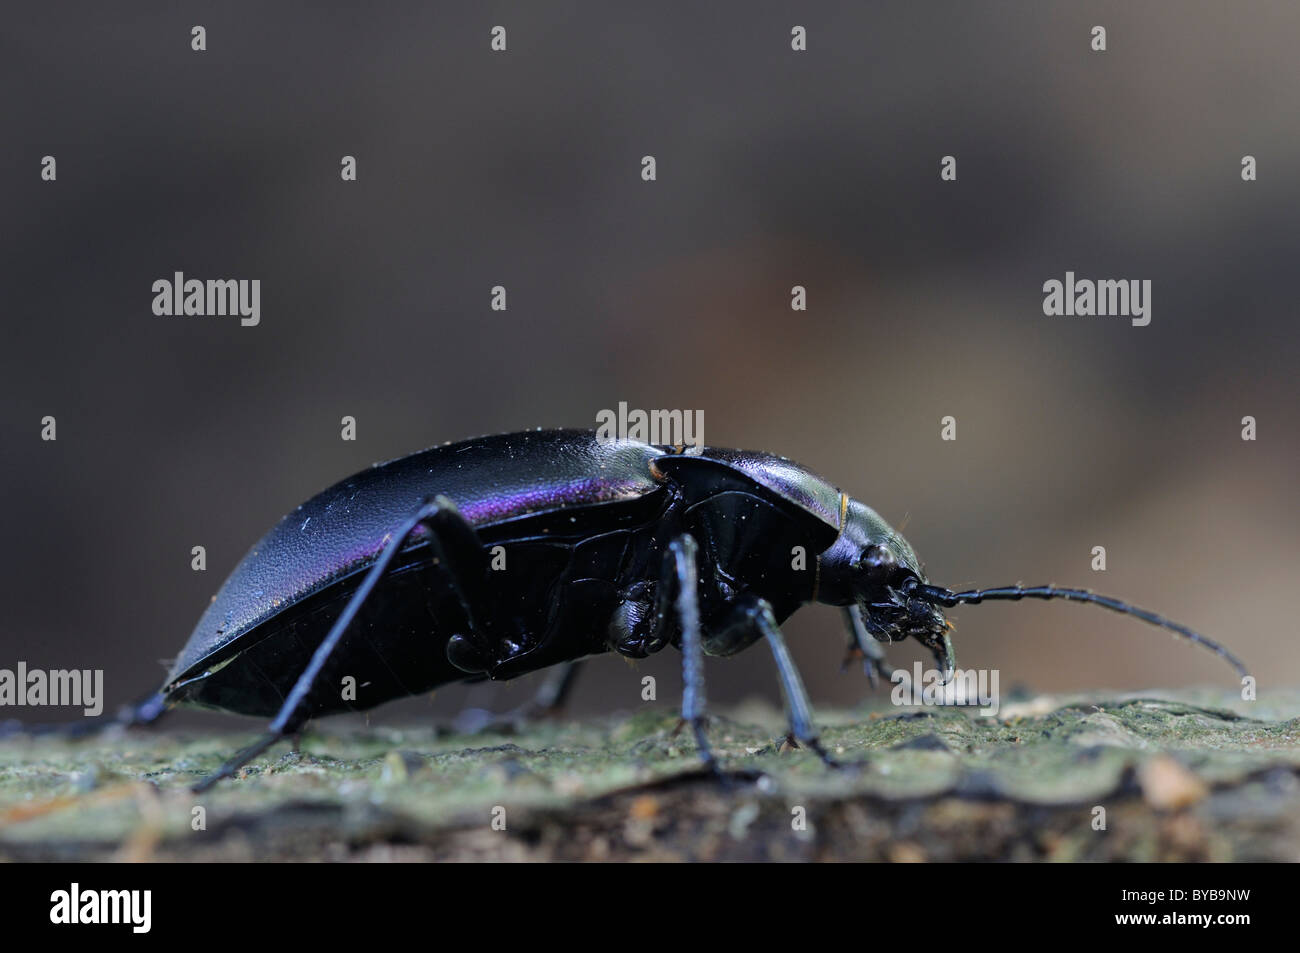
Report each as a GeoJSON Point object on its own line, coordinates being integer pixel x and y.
{"type": "Point", "coordinates": [502, 555]}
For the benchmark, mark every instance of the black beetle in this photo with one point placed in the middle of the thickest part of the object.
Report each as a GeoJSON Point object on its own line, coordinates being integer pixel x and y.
{"type": "Point", "coordinates": [503, 555]}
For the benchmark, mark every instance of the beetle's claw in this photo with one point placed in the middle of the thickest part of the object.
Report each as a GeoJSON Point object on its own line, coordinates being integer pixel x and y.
{"type": "Point", "coordinates": [828, 759]}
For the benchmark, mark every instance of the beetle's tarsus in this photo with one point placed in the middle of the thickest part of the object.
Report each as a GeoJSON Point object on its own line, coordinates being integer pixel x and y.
{"type": "Point", "coordinates": [756, 614]}
{"type": "Point", "coordinates": [231, 767]}
{"type": "Point", "coordinates": [702, 745]}
{"type": "Point", "coordinates": [827, 758]}
{"type": "Point", "coordinates": [699, 728]}
{"type": "Point", "coordinates": [813, 745]}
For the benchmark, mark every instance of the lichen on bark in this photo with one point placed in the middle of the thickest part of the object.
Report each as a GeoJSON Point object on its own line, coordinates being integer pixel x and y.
{"type": "Point", "coordinates": [1174, 776]}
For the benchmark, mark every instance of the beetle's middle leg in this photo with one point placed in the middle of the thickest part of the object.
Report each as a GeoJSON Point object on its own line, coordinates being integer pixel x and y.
{"type": "Point", "coordinates": [751, 618]}
{"type": "Point", "coordinates": [681, 579]}
{"type": "Point", "coordinates": [451, 538]}
{"type": "Point", "coordinates": [647, 620]}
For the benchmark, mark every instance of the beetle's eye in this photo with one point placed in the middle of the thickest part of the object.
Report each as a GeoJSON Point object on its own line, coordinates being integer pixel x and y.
{"type": "Point", "coordinates": [879, 562]}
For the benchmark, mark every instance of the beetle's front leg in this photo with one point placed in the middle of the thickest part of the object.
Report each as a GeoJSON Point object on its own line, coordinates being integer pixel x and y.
{"type": "Point", "coordinates": [645, 622]}
{"type": "Point", "coordinates": [752, 618]}
{"type": "Point", "coordinates": [864, 646]}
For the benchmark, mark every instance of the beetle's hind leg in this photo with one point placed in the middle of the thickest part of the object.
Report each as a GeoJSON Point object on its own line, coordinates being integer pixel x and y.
{"type": "Point", "coordinates": [551, 697]}
{"type": "Point", "coordinates": [137, 715]}
{"type": "Point", "coordinates": [452, 539]}
{"type": "Point", "coordinates": [241, 758]}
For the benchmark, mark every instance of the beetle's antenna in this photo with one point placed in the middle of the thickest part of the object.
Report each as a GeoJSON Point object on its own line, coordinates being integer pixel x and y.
{"type": "Point", "coordinates": [938, 595]}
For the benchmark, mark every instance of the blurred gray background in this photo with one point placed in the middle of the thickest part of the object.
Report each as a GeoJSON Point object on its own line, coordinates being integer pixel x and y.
{"type": "Point", "coordinates": [775, 168]}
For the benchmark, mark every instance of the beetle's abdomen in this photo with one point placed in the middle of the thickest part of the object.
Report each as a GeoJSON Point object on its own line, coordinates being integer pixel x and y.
{"type": "Point", "coordinates": [494, 481]}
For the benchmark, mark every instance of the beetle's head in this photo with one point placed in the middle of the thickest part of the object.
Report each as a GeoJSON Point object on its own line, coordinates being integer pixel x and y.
{"type": "Point", "coordinates": [875, 570]}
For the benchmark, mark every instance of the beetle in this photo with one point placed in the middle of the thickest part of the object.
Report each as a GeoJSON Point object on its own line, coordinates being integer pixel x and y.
{"type": "Point", "coordinates": [503, 555]}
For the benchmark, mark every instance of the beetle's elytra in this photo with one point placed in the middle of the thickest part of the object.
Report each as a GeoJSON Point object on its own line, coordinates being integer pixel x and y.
{"type": "Point", "coordinates": [502, 555]}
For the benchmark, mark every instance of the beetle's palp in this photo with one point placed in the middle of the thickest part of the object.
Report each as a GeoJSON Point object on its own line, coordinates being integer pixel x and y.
{"type": "Point", "coordinates": [938, 595]}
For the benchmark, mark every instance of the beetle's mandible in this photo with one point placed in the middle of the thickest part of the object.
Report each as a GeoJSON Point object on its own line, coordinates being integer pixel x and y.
{"type": "Point", "coordinates": [503, 555]}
